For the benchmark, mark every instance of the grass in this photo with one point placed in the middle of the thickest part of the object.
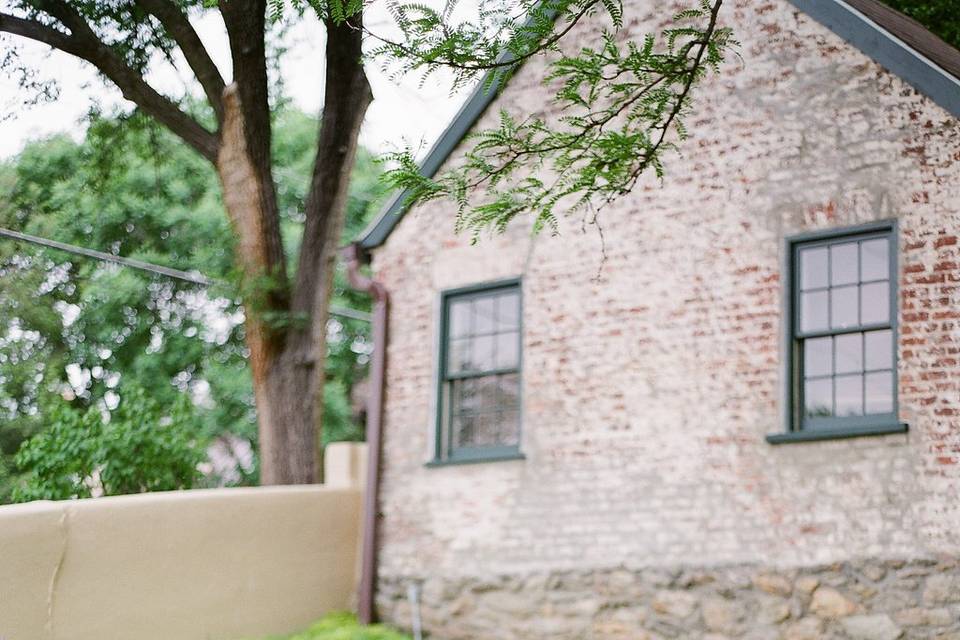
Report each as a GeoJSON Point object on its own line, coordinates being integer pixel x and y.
{"type": "Point", "coordinates": [343, 626]}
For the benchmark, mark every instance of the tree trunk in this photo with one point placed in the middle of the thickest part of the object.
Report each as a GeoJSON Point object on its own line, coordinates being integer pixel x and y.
{"type": "Point", "coordinates": [347, 96]}
{"type": "Point", "coordinates": [281, 384]}
{"type": "Point", "coordinates": [287, 360]}
{"type": "Point", "coordinates": [281, 380]}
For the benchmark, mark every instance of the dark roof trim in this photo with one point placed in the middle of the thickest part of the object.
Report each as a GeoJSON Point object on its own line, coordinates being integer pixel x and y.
{"type": "Point", "coordinates": [912, 33]}
{"type": "Point", "coordinates": [376, 234]}
{"type": "Point", "coordinates": [902, 45]}
{"type": "Point", "coordinates": [488, 88]}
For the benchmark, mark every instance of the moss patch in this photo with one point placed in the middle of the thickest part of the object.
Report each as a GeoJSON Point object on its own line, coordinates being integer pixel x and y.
{"type": "Point", "coordinates": [343, 626]}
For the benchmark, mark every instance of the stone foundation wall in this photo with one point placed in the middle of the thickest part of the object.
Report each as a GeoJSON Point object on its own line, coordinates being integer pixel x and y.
{"type": "Point", "coordinates": [866, 600]}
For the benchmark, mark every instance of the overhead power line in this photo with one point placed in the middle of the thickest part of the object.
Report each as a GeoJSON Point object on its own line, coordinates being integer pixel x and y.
{"type": "Point", "coordinates": [194, 277]}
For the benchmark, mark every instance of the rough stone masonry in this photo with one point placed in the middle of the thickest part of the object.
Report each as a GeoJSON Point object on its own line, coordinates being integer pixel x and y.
{"type": "Point", "coordinates": [649, 504]}
{"type": "Point", "coordinates": [857, 600]}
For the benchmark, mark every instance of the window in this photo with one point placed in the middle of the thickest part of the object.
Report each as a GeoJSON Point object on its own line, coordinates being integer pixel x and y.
{"type": "Point", "coordinates": [843, 338]}
{"type": "Point", "coordinates": [479, 399]}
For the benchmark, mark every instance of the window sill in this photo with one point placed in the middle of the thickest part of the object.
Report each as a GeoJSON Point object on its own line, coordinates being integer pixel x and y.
{"type": "Point", "coordinates": [493, 457]}
{"type": "Point", "coordinates": [836, 434]}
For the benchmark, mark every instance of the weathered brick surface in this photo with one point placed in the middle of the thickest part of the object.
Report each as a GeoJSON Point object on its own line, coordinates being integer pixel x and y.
{"type": "Point", "coordinates": [651, 378]}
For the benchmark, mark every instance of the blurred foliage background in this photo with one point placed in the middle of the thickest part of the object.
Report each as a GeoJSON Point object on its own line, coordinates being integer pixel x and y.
{"type": "Point", "coordinates": [78, 335]}
{"type": "Point", "coordinates": [141, 447]}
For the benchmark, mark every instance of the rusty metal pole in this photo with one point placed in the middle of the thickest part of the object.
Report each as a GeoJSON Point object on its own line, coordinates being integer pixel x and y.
{"type": "Point", "coordinates": [366, 592]}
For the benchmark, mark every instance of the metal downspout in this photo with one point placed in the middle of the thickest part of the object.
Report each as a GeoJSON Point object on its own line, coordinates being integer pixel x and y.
{"type": "Point", "coordinates": [352, 255]}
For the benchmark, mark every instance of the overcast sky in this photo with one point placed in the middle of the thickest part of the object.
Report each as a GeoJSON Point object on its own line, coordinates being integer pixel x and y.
{"type": "Point", "coordinates": [399, 111]}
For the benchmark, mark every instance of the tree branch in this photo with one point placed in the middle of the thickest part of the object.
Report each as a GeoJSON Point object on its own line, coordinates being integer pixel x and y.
{"type": "Point", "coordinates": [245, 21]}
{"type": "Point", "coordinates": [178, 27]}
{"type": "Point", "coordinates": [703, 44]}
{"type": "Point", "coordinates": [38, 32]}
{"type": "Point", "coordinates": [82, 42]}
{"type": "Point", "coordinates": [501, 62]}
{"type": "Point", "coordinates": [616, 106]}
{"type": "Point", "coordinates": [346, 98]}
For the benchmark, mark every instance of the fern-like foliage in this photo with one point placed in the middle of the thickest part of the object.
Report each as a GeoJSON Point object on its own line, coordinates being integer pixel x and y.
{"type": "Point", "coordinates": [620, 108]}
{"type": "Point", "coordinates": [493, 40]}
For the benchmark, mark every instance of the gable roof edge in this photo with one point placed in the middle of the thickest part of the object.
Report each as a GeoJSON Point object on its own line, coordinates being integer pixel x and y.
{"type": "Point", "coordinates": [376, 233]}
{"type": "Point", "coordinates": [887, 49]}
{"type": "Point", "coordinates": [845, 20]}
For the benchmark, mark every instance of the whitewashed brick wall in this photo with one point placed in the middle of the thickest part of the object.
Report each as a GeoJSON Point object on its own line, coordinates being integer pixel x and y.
{"type": "Point", "coordinates": [651, 377]}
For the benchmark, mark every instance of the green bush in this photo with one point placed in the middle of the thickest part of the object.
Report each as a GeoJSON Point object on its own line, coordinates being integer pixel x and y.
{"type": "Point", "coordinates": [139, 447]}
{"type": "Point", "coordinates": [344, 626]}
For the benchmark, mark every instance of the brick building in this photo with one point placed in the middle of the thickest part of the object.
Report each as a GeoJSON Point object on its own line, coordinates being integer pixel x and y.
{"type": "Point", "coordinates": [744, 422]}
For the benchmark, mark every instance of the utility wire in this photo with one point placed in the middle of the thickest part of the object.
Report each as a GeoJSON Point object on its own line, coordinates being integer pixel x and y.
{"type": "Point", "coordinates": [194, 277]}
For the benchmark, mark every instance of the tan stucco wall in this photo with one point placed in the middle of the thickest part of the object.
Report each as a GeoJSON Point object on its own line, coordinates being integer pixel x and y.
{"type": "Point", "coordinates": [211, 564]}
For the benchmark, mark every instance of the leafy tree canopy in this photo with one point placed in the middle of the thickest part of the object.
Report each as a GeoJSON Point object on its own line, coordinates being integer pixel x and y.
{"type": "Point", "coordinates": [622, 99]}
{"type": "Point", "coordinates": [76, 328]}
{"type": "Point", "coordinates": [139, 447]}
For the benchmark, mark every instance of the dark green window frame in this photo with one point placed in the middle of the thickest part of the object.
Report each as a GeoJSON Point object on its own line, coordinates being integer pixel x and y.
{"type": "Point", "coordinates": [800, 426]}
{"type": "Point", "coordinates": [446, 451]}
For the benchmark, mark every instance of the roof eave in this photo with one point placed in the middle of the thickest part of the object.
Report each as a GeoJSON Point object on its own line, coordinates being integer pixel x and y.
{"type": "Point", "coordinates": [841, 17]}
{"type": "Point", "coordinates": [888, 49]}
{"type": "Point", "coordinates": [376, 233]}
{"type": "Point", "coordinates": [486, 91]}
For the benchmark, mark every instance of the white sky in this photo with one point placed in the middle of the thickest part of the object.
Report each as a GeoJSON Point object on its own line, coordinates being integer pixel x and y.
{"type": "Point", "coordinates": [400, 112]}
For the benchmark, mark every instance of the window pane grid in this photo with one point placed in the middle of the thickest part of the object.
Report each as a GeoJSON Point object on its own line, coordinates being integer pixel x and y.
{"type": "Point", "coordinates": [841, 286]}
{"type": "Point", "coordinates": [843, 327]}
{"type": "Point", "coordinates": [481, 371]}
{"type": "Point", "coordinates": [484, 411]}
{"type": "Point", "coordinates": [484, 333]}
{"type": "Point", "coordinates": [848, 368]}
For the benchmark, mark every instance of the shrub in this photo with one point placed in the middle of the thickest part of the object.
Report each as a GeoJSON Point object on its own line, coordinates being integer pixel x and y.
{"type": "Point", "coordinates": [138, 447]}
{"type": "Point", "coordinates": [344, 626]}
